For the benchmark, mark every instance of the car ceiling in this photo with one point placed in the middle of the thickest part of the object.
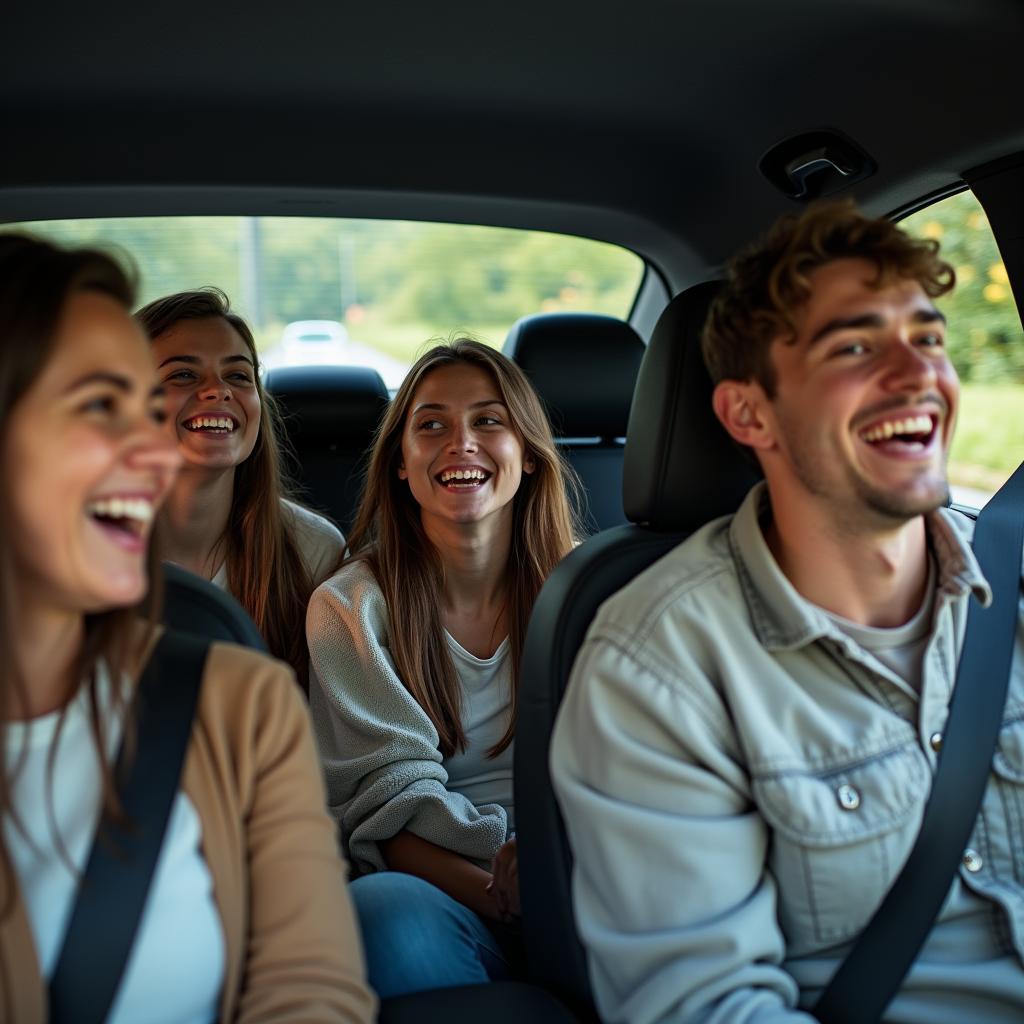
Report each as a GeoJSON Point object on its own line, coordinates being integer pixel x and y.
{"type": "Point", "coordinates": [639, 122]}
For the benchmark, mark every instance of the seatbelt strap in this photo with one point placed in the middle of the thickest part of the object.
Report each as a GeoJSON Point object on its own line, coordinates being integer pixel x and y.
{"type": "Point", "coordinates": [113, 890]}
{"type": "Point", "coordinates": [873, 971]}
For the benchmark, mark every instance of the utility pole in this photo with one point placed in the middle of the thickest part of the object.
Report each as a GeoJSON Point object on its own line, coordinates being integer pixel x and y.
{"type": "Point", "coordinates": [250, 254]}
{"type": "Point", "coordinates": [347, 272]}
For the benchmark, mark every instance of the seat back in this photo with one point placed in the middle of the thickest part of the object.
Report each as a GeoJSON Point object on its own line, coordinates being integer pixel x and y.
{"type": "Point", "coordinates": [681, 470]}
{"type": "Point", "coordinates": [194, 605]}
{"type": "Point", "coordinates": [330, 415]}
{"type": "Point", "coordinates": [584, 367]}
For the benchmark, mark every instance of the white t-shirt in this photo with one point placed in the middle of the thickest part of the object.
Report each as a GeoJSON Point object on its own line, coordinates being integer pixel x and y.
{"type": "Point", "coordinates": [320, 544]}
{"type": "Point", "coordinates": [176, 968]}
{"type": "Point", "coordinates": [900, 648]}
{"type": "Point", "coordinates": [486, 688]}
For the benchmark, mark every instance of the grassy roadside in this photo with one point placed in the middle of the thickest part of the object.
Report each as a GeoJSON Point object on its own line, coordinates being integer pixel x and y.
{"type": "Point", "coordinates": [400, 341]}
{"type": "Point", "coordinates": [989, 441]}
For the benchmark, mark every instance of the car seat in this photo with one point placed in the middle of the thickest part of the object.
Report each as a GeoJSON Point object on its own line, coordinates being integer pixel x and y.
{"type": "Point", "coordinates": [194, 605]}
{"type": "Point", "coordinates": [330, 415]}
{"type": "Point", "coordinates": [584, 368]}
{"type": "Point", "coordinates": [681, 470]}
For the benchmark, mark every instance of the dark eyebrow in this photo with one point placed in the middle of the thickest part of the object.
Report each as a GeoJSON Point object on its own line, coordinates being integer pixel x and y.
{"type": "Point", "coordinates": [441, 407]}
{"type": "Point", "coordinates": [120, 382]}
{"type": "Point", "coordinates": [195, 360]}
{"type": "Point", "coordinates": [872, 320]}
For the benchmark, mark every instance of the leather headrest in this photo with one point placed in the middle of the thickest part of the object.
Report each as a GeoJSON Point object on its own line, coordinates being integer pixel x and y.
{"type": "Point", "coordinates": [681, 468]}
{"type": "Point", "coordinates": [583, 366]}
{"type": "Point", "coordinates": [332, 403]}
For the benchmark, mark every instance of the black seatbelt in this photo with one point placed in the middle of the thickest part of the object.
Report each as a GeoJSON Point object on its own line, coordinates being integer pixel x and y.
{"type": "Point", "coordinates": [113, 890]}
{"type": "Point", "coordinates": [871, 974]}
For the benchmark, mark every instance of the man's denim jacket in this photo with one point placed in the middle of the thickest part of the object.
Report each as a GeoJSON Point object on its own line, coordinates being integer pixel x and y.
{"type": "Point", "coordinates": [742, 782]}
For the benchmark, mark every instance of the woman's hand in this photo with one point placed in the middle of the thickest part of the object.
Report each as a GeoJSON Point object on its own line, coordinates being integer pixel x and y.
{"type": "Point", "coordinates": [504, 883]}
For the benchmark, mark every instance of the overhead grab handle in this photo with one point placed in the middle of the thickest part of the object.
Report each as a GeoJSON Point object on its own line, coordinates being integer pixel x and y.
{"type": "Point", "coordinates": [815, 164]}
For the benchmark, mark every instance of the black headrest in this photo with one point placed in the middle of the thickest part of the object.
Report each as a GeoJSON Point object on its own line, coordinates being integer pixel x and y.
{"type": "Point", "coordinates": [681, 468]}
{"type": "Point", "coordinates": [335, 403]}
{"type": "Point", "coordinates": [196, 606]}
{"type": "Point", "coordinates": [583, 366]}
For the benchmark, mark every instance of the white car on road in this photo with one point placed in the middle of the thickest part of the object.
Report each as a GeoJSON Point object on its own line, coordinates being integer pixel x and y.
{"type": "Point", "coordinates": [307, 342]}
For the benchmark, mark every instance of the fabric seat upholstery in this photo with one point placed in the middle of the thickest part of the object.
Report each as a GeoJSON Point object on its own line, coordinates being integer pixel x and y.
{"type": "Point", "coordinates": [681, 470]}
{"type": "Point", "coordinates": [584, 367]}
{"type": "Point", "coordinates": [330, 415]}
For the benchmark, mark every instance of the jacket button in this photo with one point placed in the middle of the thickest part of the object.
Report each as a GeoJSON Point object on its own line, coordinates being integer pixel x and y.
{"type": "Point", "coordinates": [935, 741]}
{"type": "Point", "coordinates": [972, 861]}
{"type": "Point", "coordinates": [848, 797]}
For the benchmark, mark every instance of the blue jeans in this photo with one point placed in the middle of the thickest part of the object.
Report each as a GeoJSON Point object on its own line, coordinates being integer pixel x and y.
{"type": "Point", "coordinates": [417, 937]}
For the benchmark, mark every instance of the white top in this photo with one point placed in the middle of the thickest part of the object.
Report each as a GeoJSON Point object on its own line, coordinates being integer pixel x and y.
{"type": "Point", "coordinates": [176, 969]}
{"type": "Point", "coordinates": [486, 687]}
{"type": "Point", "coordinates": [900, 648]}
{"type": "Point", "coordinates": [320, 544]}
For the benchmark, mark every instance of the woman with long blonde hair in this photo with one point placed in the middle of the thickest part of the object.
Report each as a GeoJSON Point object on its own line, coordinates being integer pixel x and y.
{"type": "Point", "coordinates": [230, 517]}
{"type": "Point", "coordinates": [416, 645]}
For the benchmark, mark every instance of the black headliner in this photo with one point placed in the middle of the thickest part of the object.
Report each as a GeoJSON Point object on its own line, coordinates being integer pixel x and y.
{"type": "Point", "coordinates": [640, 122]}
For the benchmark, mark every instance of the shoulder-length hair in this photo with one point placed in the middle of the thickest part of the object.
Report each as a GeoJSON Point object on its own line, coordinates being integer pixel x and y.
{"type": "Point", "coordinates": [36, 281]}
{"type": "Point", "coordinates": [389, 535]}
{"type": "Point", "coordinates": [265, 568]}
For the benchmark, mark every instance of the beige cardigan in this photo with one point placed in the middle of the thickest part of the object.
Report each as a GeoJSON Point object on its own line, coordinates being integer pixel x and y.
{"type": "Point", "coordinates": [292, 950]}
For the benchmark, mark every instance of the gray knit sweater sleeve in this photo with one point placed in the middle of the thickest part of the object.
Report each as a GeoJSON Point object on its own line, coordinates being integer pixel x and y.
{"type": "Point", "coordinates": [381, 761]}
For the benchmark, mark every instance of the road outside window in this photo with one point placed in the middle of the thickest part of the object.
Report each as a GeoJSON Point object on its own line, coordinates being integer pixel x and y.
{"type": "Point", "coordinates": [366, 292]}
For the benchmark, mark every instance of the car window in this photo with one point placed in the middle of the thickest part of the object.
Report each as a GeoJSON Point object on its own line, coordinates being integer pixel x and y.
{"type": "Point", "coordinates": [366, 292]}
{"type": "Point", "coordinates": [986, 344]}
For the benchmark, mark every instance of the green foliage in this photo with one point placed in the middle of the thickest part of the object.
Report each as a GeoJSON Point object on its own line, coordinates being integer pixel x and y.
{"type": "Point", "coordinates": [989, 440]}
{"type": "Point", "coordinates": [984, 338]}
{"type": "Point", "coordinates": [395, 283]}
{"type": "Point", "coordinates": [171, 254]}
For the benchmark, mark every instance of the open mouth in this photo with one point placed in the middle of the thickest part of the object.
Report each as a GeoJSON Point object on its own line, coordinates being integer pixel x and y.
{"type": "Point", "coordinates": [123, 519]}
{"type": "Point", "coordinates": [462, 479]}
{"type": "Point", "coordinates": [907, 433]}
{"type": "Point", "coordinates": [211, 425]}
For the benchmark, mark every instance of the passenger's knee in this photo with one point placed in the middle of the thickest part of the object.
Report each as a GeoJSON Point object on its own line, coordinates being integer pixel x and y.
{"type": "Point", "coordinates": [390, 902]}
{"type": "Point", "coordinates": [416, 937]}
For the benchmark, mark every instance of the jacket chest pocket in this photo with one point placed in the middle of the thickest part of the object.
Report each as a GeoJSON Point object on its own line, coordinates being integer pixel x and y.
{"type": "Point", "coordinates": [839, 838]}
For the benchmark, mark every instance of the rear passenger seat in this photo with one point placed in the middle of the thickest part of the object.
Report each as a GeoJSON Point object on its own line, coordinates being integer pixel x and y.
{"type": "Point", "coordinates": [330, 414]}
{"type": "Point", "coordinates": [584, 367]}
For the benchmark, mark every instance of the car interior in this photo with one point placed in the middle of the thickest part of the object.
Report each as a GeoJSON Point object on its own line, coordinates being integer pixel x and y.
{"type": "Point", "coordinates": [676, 131]}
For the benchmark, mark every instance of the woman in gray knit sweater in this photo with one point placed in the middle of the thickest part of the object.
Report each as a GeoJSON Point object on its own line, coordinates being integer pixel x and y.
{"type": "Point", "coordinates": [415, 646]}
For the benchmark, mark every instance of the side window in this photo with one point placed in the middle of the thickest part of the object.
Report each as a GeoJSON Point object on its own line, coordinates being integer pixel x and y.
{"type": "Point", "coordinates": [986, 344]}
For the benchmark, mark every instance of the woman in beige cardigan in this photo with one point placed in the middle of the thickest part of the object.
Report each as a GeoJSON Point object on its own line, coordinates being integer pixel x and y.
{"type": "Point", "coordinates": [247, 916]}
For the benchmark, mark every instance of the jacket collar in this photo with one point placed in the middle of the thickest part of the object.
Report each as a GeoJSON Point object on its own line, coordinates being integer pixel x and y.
{"type": "Point", "coordinates": [783, 619]}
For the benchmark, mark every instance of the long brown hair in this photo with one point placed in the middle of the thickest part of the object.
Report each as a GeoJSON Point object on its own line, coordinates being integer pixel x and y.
{"type": "Point", "coordinates": [265, 569]}
{"type": "Point", "coordinates": [389, 535]}
{"type": "Point", "coordinates": [36, 280]}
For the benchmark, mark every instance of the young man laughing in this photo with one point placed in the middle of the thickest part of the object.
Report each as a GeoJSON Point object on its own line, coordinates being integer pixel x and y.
{"type": "Point", "coordinates": [750, 734]}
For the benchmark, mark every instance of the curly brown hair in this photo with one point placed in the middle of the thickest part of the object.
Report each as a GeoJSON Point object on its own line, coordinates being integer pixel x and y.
{"type": "Point", "coordinates": [767, 283]}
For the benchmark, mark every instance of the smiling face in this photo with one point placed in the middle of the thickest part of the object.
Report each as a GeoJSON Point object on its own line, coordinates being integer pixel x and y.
{"type": "Point", "coordinates": [86, 463]}
{"type": "Point", "coordinates": [865, 402]}
{"type": "Point", "coordinates": [213, 404]}
{"type": "Point", "coordinates": [461, 455]}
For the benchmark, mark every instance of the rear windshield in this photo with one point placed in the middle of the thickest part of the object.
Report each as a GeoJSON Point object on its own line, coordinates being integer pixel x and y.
{"type": "Point", "coordinates": [365, 292]}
